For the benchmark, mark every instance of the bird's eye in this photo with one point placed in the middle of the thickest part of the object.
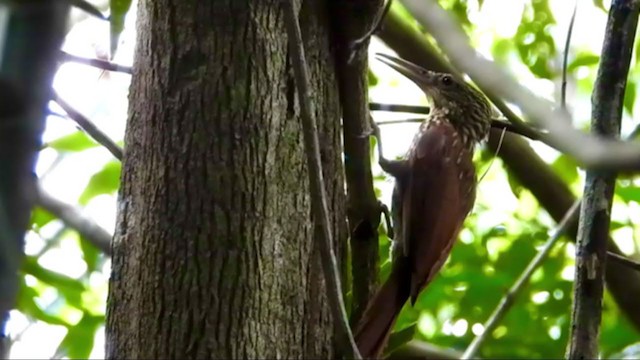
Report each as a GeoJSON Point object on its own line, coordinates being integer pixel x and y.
{"type": "Point", "coordinates": [446, 80]}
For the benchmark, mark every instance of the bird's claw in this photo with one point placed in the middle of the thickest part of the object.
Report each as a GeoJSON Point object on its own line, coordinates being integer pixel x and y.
{"type": "Point", "coordinates": [384, 210]}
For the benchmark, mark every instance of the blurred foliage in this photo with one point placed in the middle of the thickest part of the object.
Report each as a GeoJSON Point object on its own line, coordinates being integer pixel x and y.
{"type": "Point", "coordinates": [492, 252]}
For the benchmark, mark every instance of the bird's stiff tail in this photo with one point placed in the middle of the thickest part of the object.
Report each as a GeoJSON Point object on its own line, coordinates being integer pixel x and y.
{"type": "Point", "coordinates": [376, 323]}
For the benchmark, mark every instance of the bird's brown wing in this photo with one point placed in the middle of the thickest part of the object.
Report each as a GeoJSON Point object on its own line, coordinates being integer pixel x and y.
{"type": "Point", "coordinates": [440, 192]}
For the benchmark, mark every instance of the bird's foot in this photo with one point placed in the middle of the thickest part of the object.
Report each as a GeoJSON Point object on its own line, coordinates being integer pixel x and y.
{"type": "Point", "coordinates": [384, 210]}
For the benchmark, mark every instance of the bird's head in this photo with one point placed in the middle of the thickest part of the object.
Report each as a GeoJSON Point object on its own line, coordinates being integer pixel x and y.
{"type": "Point", "coordinates": [463, 106]}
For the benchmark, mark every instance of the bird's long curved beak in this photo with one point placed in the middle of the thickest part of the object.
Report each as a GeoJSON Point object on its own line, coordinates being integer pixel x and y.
{"type": "Point", "coordinates": [410, 70]}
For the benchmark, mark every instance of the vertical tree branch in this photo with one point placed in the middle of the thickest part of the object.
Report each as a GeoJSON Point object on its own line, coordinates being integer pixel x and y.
{"type": "Point", "coordinates": [316, 181]}
{"type": "Point", "coordinates": [350, 20]}
{"type": "Point", "coordinates": [30, 37]}
{"type": "Point", "coordinates": [607, 101]}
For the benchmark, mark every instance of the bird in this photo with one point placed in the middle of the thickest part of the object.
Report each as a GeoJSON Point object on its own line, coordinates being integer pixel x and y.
{"type": "Point", "coordinates": [434, 191]}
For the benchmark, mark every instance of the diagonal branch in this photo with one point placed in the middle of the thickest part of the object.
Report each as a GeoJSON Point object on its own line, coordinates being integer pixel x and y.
{"type": "Point", "coordinates": [316, 181]}
{"type": "Point", "coordinates": [97, 63]}
{"type": "Point", "coordinates": [589, 150]}
{"type": "Point", "coordinates": [507, 300]}
{"type": "Point", "coordinates": [89, 127]}
{"type": "Point", "coordinates": [73, 218]}
{"type": "Point", "coordinates": [593, 230]}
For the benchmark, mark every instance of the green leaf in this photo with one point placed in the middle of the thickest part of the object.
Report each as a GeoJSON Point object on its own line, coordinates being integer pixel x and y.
{"type": "Point", "coordinates": [106, 181]}
{"type": "Point", "coordinates": [90, 254]}
{"type": "Point", "coordinates": [586, 59]}
{"type": "Point", "coordinates": [599, 4]}
{"type": "Point", "coordinates": [400, 338]}
{"type": "Point", "coordinates": [40, 218]}
{"type": "Point", "coordinates": [75, 142]}
{"type": "Point", "coordinates": [27, 305]}
{"type": "Point", "coordinates": [566, 167]}
{"type": "Point", "coordinates": [630, 96]}
{"type": "Point", "coordinates": [373, 79]}
{"type": "Point", "coordinates": [533, 40]}
{"type": "Point", "coordinates": [119, 10]}
{"type": "Point", "coordinates": [515, 185]}
{"type": "Point", "coordinates": [628, 193]}
{"type": "Point", "coordinates": [70, 288]}
{"type": "Point", "coordinates": [78, 342]}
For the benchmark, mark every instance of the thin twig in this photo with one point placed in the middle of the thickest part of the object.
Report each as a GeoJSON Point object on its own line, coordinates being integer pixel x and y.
{"type": "Point", "coordinates": [508, 299]}
{"type": "Point", "coordinates": [318, 195]}
{"type": "Point", "coordinates": [565, 58]}
{"type": "Point", "coordinates": [525, 131]}
{"type": "Point", "coordinates": [89, 127]}
{"type": "Point", "coordinates": [97, 63]}
{"type": "Point", "coordinates": [403, 121]}
{"type": "Point", "coordinates": [356, 44]}
{"type": "Point", "coordinates": [416, 109]}
{"type": "Point", "coordinates": [73, 218]}
{"type": "Point", "coordinates": [593, 233]}
{"type": "Point", "coordinates": [589, 150]}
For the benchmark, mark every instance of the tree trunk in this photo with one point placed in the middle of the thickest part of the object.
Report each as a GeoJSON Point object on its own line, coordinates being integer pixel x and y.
{"type": "Point", "coordinates": [213, 255]}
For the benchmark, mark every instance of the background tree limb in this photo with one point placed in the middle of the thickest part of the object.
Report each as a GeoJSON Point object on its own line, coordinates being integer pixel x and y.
{"type": "Point", "coordinates": [33, 34]}
{"type": "Point", "coordinates": [588, 150]}
{"type": "Point", "coordinates": [595, 216]}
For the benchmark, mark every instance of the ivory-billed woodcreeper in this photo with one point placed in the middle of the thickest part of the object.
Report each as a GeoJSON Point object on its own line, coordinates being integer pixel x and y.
{"type": "Point", "coordinates": [435, 187]}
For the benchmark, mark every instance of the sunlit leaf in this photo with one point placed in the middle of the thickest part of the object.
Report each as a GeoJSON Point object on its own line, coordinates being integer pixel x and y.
{"type": "Point", "coordinates": [628, 193]}
{"type": "Point", "coordinates": [372, 78]}
{"type": "Point", "coordinates": [26, 304]}
{"type": "Point", "coordinates": [566, 167]}
{"type": "Point", "coordinates": [399, 338]}
{"type": "Point", "coordinates": [119, 10]}
{"type": "Point", "coordinates": [40, 217]}
{"type": "Point", "coordinates": [76, 141]}
{"type": "Point", "coordinates": [79, 340]}
{"type": "Point", "coordinates": [106, 181]}
{"type": "Point", "coordinates": [630, 96]}
{"type": "Point", "coordinates": [583, 60]}
{"type": "Point", "coordinates": [70, 288]}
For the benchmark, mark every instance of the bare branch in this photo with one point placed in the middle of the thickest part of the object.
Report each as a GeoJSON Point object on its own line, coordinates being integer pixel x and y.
{"type": "Point", "coordinates": [525, 131]}
{"type": "Point", "coordinates": [593, 230]}
{"type": "Point", "coordinates": [349, 20]}
{"type": "Point", "coordinates": [416, 109]}
{"type": "Point", "coordinates": [97, 63]}
{"type": "Point", "coordinates": [316, 181]}
{"type": "Point", "coordinates": [508, 299]}
{"type": "Point", "coordinates": [89, 127]}
{"type": "Point", "coordinates": [73, 218]}
{"type": "Point", "coordinates": [588, 150]}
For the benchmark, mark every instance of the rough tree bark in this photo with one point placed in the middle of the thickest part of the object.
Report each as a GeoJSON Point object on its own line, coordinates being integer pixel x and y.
{"type": "Point", "coordinates": [213, 254]}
